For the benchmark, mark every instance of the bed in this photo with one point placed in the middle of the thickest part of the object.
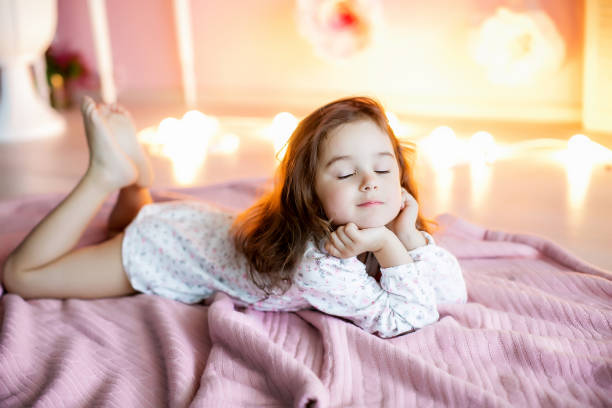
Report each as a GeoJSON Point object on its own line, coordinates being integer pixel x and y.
{"type": "Point", "coordinates": [536, 331]}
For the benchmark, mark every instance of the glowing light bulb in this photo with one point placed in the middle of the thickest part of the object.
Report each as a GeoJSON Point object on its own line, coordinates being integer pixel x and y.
{"type": "Point", "coordinates": [579, 145]}
{"type": "Point", "coordinates": [442, 135]}
{"type": "Point", "coordinates": [579, 158]}
{"type": "Point", "coordinates": [196, 121]}
{"type": "Point", "coordinates": [442, 147]}
{"type": "Point", "coordinates": [184, 142]}
{"type": "Point", "coordinates": [482, 148]}
{"type": "Point", "coordinates": [280, 131]}
{"type": "Point", "coordinates": [582, 149]}
{"type": "Point", "coordinates": [169, 126]}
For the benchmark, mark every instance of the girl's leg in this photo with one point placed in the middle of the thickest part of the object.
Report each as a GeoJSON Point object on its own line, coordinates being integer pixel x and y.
{"type": "Point", "coordinates": [44, 264]}
{"type": "Point", "coordinates": [133, 197]}
{"type": "Point", "coordinates": [129, 202]}
{"type": "Point", "coordinates": [87, 273]}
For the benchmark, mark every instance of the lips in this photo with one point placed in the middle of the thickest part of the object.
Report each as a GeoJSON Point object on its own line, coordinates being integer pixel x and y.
{"type": "Point", "coordinates": [370, 204]}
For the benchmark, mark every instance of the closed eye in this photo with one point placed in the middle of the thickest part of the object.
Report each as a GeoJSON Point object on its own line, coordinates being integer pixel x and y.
{"type": "Point", "coordinates": [352, 174]}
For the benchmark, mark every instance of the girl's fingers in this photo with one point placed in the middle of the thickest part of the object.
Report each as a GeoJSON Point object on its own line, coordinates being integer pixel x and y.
{"type": "Point", "coordinates": [331, 249]}
{"type": "Point", "coordinates": [342, 235]}
{"type": "Point", "coordinates": [351, 232]}
{"type": "Point", "coordinates": [336, 242]}
{"type": "Point", "coordinates": [405, 195]}
{"type": "Point", "coordinates": [410, 200]}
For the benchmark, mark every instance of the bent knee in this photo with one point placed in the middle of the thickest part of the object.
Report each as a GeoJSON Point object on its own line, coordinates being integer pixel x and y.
{"type": "Point", "coordinates": [12, 277]}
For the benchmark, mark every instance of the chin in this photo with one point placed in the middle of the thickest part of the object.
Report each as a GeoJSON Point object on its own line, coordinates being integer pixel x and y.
{"type": "Point", "coordinates": [374, 222]}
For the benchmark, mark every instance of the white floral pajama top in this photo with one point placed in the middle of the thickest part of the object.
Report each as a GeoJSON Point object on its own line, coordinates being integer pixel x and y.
{"type": "Point", "coordinates": [182, 250]}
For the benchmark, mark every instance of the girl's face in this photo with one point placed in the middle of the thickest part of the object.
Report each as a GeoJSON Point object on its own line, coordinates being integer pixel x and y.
{"type": "Point", "coordinates": [357, 178]}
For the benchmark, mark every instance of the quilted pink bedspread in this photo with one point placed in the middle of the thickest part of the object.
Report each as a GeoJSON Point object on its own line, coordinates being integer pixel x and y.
{"type": "Point", "coordinates": [536, 331]}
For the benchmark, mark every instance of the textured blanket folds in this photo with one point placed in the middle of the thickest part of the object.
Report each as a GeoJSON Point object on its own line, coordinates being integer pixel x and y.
{"type": "Point", "coordinates": [536, 331]}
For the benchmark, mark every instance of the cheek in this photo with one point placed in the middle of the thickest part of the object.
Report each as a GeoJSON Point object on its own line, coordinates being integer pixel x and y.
{"type": "Point", "coordinates": [334, 202]}
{"type": "Point", "coordinates": [396, 200]}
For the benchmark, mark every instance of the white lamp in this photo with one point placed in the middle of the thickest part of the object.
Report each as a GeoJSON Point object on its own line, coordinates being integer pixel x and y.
{"type": "Point", "coordinates": [27, 28]}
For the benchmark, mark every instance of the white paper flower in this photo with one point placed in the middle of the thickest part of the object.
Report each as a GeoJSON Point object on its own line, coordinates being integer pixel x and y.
{"type": "Point", "coordinates": [338, 28]}
{"type": "Point", "coordinates": [516, 48]}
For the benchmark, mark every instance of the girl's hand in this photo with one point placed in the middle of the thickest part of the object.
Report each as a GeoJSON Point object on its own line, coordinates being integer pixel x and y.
{"type": "Point", "coordinates": [405, 222]}
{"type": "Point", "coordinates": [348, 240]}
{"type": "Point", "coordinates": [404, 225]}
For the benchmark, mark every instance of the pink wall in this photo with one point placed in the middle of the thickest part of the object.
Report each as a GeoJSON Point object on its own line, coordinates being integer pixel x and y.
{"type": "Point", "coordinates": [249, 52]}
{"type": "Point", "coordinates": [143, 41]}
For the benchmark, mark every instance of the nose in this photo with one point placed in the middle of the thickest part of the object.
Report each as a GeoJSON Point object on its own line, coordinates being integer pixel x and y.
{"type": "Point", "coordinates": [368, 184]}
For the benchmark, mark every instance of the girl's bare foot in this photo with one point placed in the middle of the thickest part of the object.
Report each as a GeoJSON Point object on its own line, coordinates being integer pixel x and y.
{"type": "Point", "coordinates": [106, 158]}
{"type": "Point", "coordinates": [122, 126]}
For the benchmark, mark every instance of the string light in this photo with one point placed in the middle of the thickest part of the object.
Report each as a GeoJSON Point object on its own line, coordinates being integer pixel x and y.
{"type": "Point", "coordinates": [442, 148]}
{"type": "Point", "coordinates": [482, 148]}
{"type": "Point", "coordinates": [183, 141]}
{"type": "Point", "coordinates": [187, 141]}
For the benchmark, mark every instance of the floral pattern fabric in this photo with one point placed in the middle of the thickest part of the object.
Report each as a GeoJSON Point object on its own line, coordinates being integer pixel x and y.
{"type": "Point", "coordinates": [182, 250]}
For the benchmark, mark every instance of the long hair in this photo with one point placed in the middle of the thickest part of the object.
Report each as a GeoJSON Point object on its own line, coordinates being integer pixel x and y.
{"type": "Point", "coordinates": [273, 232]}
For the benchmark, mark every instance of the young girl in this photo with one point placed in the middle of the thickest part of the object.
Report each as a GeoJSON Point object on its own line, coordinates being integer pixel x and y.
{"type": "Point", "coordinates": [341, 231]}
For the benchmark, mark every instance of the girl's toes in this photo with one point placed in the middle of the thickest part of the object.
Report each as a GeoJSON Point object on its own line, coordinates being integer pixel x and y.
{"type": "Point", "coordinates": [86, 104]}
{"type": "Point", "coordinates": [94, 115]}
{"type": "Point", "coordinates": [122, 110]}
{"type": "Point", "coordinates": [104, 110]}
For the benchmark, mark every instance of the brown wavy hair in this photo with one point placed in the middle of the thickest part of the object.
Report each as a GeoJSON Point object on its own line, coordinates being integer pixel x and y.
{"type": "Point", "coordinates": [273, 232]}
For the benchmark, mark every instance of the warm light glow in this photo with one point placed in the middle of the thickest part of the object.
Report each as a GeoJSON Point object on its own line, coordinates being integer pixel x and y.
{"type": "Point", "coordinates": [198, 122]}
{"type": "Point", "coordinates": [480, 177]}
{"type": "Point", "coordinates": [580, 145]}
{"type": "Point", "coordinates": [280, 131]}
{"type": "Point", "coordinates": [228, 144]}
{"type": "Point", "coordinates": [581, 155]}
{"type": "Point", "coordinates": [482, 152]}
{"type": "Point", "coordinates": [151, 139]}
{"type": "Point", "coordinates": [443, 179]}
{"type": "Point", "coordinates": [184, 141]}
{"type": "Point", "coordinates": [581, 149]}
{"type": "Point", "coordinates": [578, 180]}
{"type": "Point", "coordinates": [482, 148]}
{"type": "Point", "coordinates": [442, 148]}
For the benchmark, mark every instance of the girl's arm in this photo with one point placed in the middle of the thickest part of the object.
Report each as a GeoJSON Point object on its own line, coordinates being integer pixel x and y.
{"type": "Point", "coordinates": [406, 298]}
{"type": "Point", "coordinates": [348, 240]}
{"type": "Point", "coordinates": [403, 301]}
{"type": "Point", "coordinates": [442, 269]}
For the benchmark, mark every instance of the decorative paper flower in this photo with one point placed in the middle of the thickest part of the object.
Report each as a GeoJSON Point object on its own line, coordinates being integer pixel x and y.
{"type": "Point", "coordinates": [338, 28]}
{"type": "Point", "coordinates": [516, 48]}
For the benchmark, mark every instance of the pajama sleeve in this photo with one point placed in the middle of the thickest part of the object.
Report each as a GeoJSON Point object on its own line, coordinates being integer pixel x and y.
{"type": "Point", "coordinates": [404, 300]}
{"type": "Point", "coordinates": [442, 269]}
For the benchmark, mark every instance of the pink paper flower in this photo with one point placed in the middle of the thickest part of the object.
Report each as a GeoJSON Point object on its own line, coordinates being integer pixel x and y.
{"type": "Point", "coordinates": [338, 28]}
{"type": "Point", "coordinates": [517, 48]}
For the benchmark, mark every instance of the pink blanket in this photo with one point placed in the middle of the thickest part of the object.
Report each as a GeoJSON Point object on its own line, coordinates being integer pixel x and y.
{"type": "Point", "coordinates": [536, 332]}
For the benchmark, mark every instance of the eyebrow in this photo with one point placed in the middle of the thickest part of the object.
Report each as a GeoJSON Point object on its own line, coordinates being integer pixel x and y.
{"type": "Point", "coordinates": [346, 157]}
